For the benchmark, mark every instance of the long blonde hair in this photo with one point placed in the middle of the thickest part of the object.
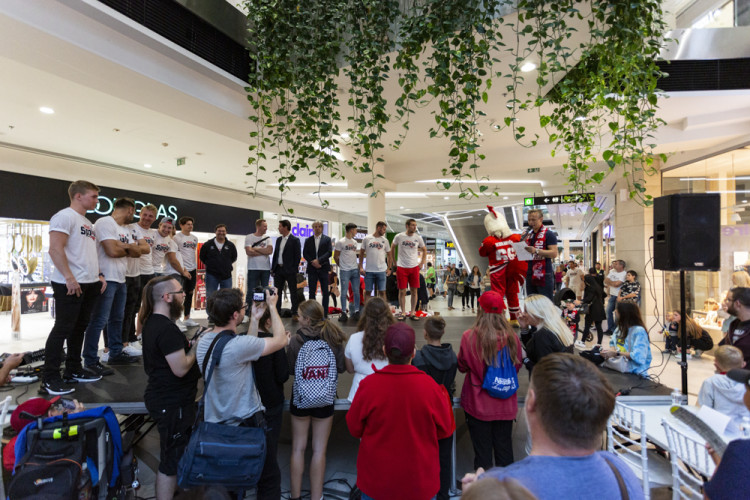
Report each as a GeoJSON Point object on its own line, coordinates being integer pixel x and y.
{"type": "Point", "coordinates": [329, 331]}
{"type": "Point", "coordinates": [541, 308]}
{"type": "Point", "coordinates": [741, 278]}
{"type": "Point", "coordinates": [489, 328]}
{"type": "Point", "coordinates": [693, 329]}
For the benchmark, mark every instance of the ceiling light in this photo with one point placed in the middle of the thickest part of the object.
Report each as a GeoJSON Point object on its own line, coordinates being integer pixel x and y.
{"type": "Point", "coordinates": [147, 165]}
{"type": "Point", "coordinates": [46, 110]}
{"type": "Point", "coordinates": [482, 181]}
{"type": "Point", "coordinates": [736, 218]}
{"type": "Point", "coordinates": [338, 195]}
{"type": "Point", "coordinates": [505, 197]}
{"type": "Point", "coordinates": [528, 66]}
{"type": "Point", "coordinates": [400, 208]}
{"type": "Point", "coordinates": [312, 184]}
{"type": "Point", "coordinates": [446, 197]}
{"type": "Point", "coordinates": [580, 118]}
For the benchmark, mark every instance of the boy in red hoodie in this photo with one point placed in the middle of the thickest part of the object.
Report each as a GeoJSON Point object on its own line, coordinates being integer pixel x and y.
{"type": "Point", "coordinates": [399, 413]}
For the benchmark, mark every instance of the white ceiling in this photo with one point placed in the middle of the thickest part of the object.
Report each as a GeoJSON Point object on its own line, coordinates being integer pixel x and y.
{"type": "Point", "coordinates": [126, 97]}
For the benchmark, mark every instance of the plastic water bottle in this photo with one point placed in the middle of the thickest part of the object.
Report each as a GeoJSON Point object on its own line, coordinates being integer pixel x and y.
{"type": "Point", "coordinates": [745, 427]}
{"type": "Point", "coordinates": [676, 397]}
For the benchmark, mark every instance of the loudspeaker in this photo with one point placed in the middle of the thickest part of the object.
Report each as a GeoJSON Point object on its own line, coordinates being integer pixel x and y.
{"type": "Point", "coordinates": [687, 232]}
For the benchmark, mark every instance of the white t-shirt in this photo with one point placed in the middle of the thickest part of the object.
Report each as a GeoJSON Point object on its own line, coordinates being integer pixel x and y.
{"type": "Point", "coordinates": [408, 249]}
{"type": "Point", "coordinates": [80, 248]}
{"type": "Point", "coordinates": [575, 280]}
{"type": "Point", "coordinates": [113, 268]}
{"type": "Point", "coordinates": [162, 246]}
{"type": "Point", "coordinates": [258, 262]}
{"type": "Point", "coordinates": [349, 256]}
{"type": "Point", "coordinates": [362, 368]}
{"type": "Point", "coordinates": [147, 260]}
{"type": "Point", "coordinates": [134, 263]}
{"type": "Point", "coordinates": [187, 246]}
{"type": "Point", "coordinates": [375, 250]}
{"type": "Point", "coordinates": [615, 276]}
{"type": "Point", "coordinates": [168, 269]}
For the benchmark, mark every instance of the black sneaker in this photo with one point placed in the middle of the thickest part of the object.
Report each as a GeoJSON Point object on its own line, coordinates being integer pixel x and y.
{"type": "Point", "coordinates": [122, 359]}
{"type": "Point", "coordinates": [100, 369]}
{"type": "Point", "coordinates": [343, 318]}
{"type": "Point", "coordinates": [81, 375]}
{"type": "Point", "coordinates": [355, 316]}
{"type": "Point", "coordinates": [55, 388]}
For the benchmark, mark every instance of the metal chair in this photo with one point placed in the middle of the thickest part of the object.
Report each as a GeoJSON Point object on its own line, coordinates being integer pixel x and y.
{"type": "Point", "coordinates": [691, 463]}
{"type": "Point", "coordinates": [626, 436]}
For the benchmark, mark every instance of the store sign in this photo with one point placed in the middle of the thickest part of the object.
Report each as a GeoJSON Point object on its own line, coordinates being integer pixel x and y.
{"type": "Point", "coordinates": [559, 199]}
{"type": "Point", "coordinates": [736, 230]}
{"type": "Point", "coordinates": [306, 230]}
{"type": "Point", "coordinates": [449, 245]}
{"type": "Point", "coordinates": [106, 206]}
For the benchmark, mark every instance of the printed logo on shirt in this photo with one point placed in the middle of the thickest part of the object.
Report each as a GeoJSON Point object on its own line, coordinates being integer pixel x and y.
{"type": "Point", "coordinates": [161, 247]}
{"type": "Point", "coordinates": [349, 247]}
{"type": "Point", "coordinates": [315, 372]}
{"type": "Point", "coordinates": [189, 244]}
{"type": "Point", "coordinates": [149, 240]}
{"type": "Point", "coordinates": [124, 238]}
{"type": "Point", "coordinates": [376, 244]}
{"type": "Point", "coordinates": [409, 244]}
{"type": "Point", "coordinates": [88, 231]}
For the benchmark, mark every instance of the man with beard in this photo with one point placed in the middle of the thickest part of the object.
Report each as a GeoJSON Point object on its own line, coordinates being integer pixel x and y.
{"type": "Point", "coordinates": [113, 243]}
{"type": "Point", "coordinates": [169, 362]}
{"type": "Point", "coordinates": [737, 303]}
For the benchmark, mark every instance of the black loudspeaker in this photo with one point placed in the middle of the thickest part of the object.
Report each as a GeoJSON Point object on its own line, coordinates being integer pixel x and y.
{"type": "Point", "coordinates": [687, 232]}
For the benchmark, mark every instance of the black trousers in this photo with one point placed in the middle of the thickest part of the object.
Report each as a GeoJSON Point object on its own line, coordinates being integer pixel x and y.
{"type": "Point", "coordinates": [315, 276]}
{"type": "Point", "coordinates": [132, 304]}
{"type": "Point", "coordinates": [189, 286]}
{"type": "Point", "coordinates": [72, 315]}
{"type": "Point", "coordinates": [491, 439]}
{"type": "Point", "coordinates": [587, 326]}
{"type": "Point", "coordinates": [269, 484]}
{"type": "Point", "coordinates": [445, 447]}
{"type": "Point", "coordinates": [279, 280]}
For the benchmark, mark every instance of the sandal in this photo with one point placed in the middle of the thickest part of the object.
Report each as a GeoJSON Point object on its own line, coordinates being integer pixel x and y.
{"type": "Point", "coordinates": [414, 317]}
{"type": "Point", "coordinates": [400, 316]}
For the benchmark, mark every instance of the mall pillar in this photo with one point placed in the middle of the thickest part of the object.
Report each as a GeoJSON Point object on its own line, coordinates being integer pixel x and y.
{"type": "Point", "coordinates": [375, 211]}
{"type": "Point", "coordinates": [565, 250]}
{"type": "Point", "coordinates": [634, 225]}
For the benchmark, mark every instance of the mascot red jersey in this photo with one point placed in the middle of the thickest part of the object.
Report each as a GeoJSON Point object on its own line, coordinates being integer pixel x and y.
{"type": "Point", "coordinates": [507, 273]}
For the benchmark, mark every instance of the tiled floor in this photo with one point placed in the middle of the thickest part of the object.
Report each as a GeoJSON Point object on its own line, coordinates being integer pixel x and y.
{"type": "Point", "coordinates": [342, 449]}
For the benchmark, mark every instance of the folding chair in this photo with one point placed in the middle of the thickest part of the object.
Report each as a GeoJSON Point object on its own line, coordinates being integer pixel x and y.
{"type": "Point", "coordinates": [626, 436]}
{"type": "Point", "coordinates": [691, 463]}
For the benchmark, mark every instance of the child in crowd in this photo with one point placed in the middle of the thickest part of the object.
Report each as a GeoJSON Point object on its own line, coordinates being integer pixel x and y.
{"type": "Point", "coordinates": [722, 393]}
{"type": "Point", "coordinates": [439, 361]}
{"type": "Point", "coordinates": [671, 331]}
{"type": "Point", "coordinates": [571, 316]}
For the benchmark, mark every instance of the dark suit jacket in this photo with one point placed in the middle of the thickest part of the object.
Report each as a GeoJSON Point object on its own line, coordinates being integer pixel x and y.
{"type": "Point", "coordinates": [292, 255]}
{"type": "Point", "coordinates": [324, 252]}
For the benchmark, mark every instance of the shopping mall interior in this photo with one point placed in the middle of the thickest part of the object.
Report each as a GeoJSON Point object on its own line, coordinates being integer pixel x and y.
{"type": "Point", "coordinates": [90, 90]}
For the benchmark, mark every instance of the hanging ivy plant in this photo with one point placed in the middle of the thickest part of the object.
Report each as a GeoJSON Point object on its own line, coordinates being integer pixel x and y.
{"type": "Point", "coordinates": [596, 94]}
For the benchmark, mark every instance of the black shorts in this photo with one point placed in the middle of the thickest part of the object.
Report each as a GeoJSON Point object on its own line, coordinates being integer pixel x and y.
{"type": "Point", "coordinates": [175, 426]}
{"type": "Point", "coordinates": [322, 412]}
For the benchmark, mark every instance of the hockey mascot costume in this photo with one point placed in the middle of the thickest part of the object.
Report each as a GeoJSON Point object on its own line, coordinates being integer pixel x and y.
{"type": "Point", "coordinates": [507, 273]}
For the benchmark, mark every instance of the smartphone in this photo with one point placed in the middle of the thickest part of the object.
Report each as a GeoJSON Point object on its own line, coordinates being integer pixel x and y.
{"type": "Point", "coordinates": [259, 296]}
{"type": "Point", "coordinates": [66, 404]}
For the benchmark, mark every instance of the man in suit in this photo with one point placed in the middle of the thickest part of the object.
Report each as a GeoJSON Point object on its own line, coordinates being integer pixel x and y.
{"type": "Point", "coordinates": [317, 253]}
{"type": "Point", "coordinates": [285, 265]}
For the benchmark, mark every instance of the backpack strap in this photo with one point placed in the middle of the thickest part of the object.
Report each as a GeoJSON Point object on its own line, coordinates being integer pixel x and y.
{"type": "Point", "coordinates": [620, 481]}
{"type": "Point", "coordinates": [219, 343]}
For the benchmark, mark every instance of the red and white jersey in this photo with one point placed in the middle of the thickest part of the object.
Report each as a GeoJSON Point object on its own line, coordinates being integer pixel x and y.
{"type": "Point", "coordinates": [500, 252]}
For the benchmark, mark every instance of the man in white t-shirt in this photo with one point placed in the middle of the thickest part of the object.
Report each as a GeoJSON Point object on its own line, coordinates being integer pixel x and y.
{"type": "Point", "coordinates": [345, 255]}
{"type": "Point", "coordinates": [76, 283]}
{"type": "Point", "coordinates": [410, 247]}
{"type": "Point", "coordinates": [187, 245]}
{"type": "Point", "coordinates": [114, 245]}
{"type": "Point", "coordinates": [164, 252]}
{"type": "Point", "coordinates": [258, 248]}
{"type": "Point", "coordinates": [377, 264]}
{"type": "Point", "coordinates": [574, 279]}
{"type": "Point", "coordinates": [614, 281]}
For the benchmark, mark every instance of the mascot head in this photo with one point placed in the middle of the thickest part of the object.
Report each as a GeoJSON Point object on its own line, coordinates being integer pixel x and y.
{"type": "Point", "coordinates": [496, 225]}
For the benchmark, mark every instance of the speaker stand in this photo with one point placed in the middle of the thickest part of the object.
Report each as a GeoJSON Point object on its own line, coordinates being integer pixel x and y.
{"type": "Point", "coordinates": [683, 337]}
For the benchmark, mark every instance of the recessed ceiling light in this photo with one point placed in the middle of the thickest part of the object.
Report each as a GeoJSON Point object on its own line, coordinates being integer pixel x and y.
{"type": "Point", "coordinates": [400, 208]}
{"type": "Point", "coordinates": [46, 110]}
{"type": "Point", "coordinates": [505, 197]}
{"type": "Point", "coordinates": [580, 118]}
{"type": "Point", "coordinates": [446, 197]}
{"type": "Point", "coordinates": [147, 165]}
{"type": "Point", "coordinates": [528, 66]}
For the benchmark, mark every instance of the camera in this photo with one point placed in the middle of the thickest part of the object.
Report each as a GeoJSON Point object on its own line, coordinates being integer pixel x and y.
{"type": "Point", "coordinates": [259, 294]}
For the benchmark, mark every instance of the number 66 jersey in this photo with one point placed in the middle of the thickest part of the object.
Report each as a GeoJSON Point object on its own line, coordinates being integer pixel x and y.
{"type": "Point", "coordinates": [506, 271]}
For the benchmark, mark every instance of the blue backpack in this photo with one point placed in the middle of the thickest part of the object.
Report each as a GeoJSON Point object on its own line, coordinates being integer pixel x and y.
{"type": "Point", "coordinates": [501, 378]}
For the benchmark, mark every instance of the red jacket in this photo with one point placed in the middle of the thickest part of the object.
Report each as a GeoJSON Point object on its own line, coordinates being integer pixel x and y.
{"type": "Point", "coordinates": [476, 401]}
{"type": "Point", "coordinates": [399, 413]}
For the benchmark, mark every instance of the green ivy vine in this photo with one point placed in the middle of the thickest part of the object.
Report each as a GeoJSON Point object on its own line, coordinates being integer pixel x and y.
{"type": "Point", "coordinates": [593, 97]}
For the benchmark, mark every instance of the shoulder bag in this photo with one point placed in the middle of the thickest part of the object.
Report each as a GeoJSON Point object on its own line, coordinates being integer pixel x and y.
{"type": "Point", "coordinates": [220, 454]}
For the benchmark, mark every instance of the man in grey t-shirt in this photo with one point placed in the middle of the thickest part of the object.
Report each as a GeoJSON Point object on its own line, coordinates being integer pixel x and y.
{"type": "Point", "coordinates": [566, 429]}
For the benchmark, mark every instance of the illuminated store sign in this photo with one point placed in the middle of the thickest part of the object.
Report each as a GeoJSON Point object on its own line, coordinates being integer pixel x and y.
{"type": "Point", "coordinates": [106, 205]}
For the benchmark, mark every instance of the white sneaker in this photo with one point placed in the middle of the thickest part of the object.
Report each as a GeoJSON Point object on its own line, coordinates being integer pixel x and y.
{"type": "Point", "coordinates": [580, 345]}
{"type": "Point", "coordinates": [104, 357]}
{"type": "Point", "coordinates": [181, 326]}
{"type": "Point", "coordinates": [190, 322]}
{"type": "Point", "coordinates": [131, 350]}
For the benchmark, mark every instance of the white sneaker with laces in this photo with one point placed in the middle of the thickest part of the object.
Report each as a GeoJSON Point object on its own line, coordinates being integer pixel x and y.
{"type": "Point", "coordinates": [580, 344]}
{"type": "Point", "coordinates": [132, 350]}
{"type": "Point", "coordinates": [190, 322]}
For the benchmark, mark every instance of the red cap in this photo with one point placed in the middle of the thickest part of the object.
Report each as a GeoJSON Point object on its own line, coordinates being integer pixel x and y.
{"type": "Point", "coordinates": [492, 302]}
{"type": "Point", "coordinates": [35, 406]}
{"type": "Point", "coordinates": [400, 336]}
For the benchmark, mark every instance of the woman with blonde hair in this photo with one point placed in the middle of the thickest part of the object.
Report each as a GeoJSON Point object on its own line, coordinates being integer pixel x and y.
{"type": "Point", "coordinates": [740, 278]}
{"type": "Point", "coordinates": [697, 337]}
{"type": "Point", "coordinates": [313, 326]}
{"type": "Point", "coordinates": [365, 348]}
{"type": "Point", "coordinates": [489, 419]}
{"type": "Point", "coordinates": [547, 332]}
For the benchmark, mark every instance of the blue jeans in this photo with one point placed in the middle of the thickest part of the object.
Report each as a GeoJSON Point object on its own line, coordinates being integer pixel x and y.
{"type": "Point", "coordinates": [375, 280]}
{"type": "Point", "coordinates": [256, 278]}
{"type": "Point", "coordinates": [213, 283]}
{"type": "Point", "coordinates": [345, 277]}
{"type": "Point", "coordinates": [109, 311]}
{"type": "Point", "coordinates": [611, 304]}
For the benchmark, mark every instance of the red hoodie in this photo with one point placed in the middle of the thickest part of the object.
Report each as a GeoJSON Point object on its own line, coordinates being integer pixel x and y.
{"type": "Point", "coordinates": [399, 413]}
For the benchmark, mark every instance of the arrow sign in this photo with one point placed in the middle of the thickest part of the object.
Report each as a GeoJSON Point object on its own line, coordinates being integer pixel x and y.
{"type": "Point", "coordinates": [559, 200]}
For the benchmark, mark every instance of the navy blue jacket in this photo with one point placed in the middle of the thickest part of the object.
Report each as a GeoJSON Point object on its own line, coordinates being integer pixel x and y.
{"type": "Point", "coordinates": [218, 263]}
{"type": "Point", "coordinates": [325, 250]}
